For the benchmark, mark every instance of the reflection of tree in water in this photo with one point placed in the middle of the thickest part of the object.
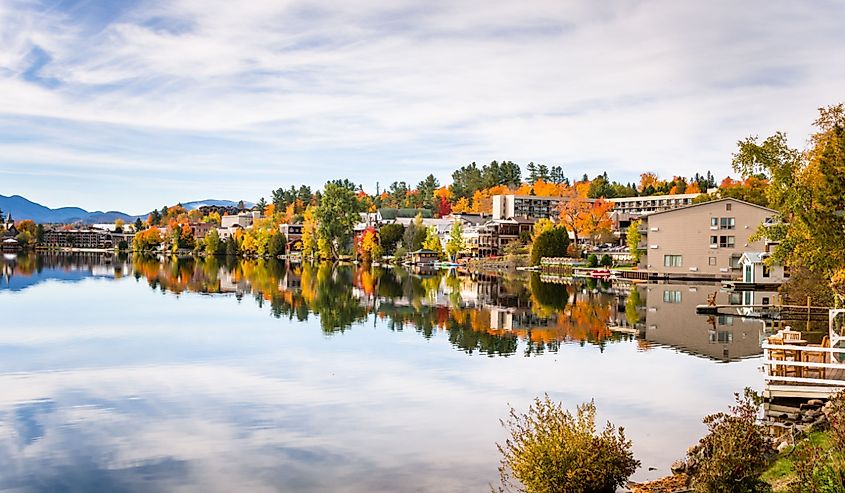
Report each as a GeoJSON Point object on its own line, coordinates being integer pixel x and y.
{"type": "Point", "coordinates": [541, 315]}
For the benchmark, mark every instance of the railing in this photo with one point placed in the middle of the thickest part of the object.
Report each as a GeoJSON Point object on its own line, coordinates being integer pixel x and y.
{"type": "Point", "coordinates": [837, 378]}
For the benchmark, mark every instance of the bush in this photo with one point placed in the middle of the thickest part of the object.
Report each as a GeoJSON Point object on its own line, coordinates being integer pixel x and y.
{"type": "Point", "coordinates": [606, 261]}
{"type": "Point", "coordinates": [592, 260]}
{"type": "Point", "coordinates": [820, 467]}
{"type": "Point", "coordinates": [550, 450]}
{"type": "Point", "coordinates": [735, 452]}
{"type": "Point", "coordinates": [550, 243]}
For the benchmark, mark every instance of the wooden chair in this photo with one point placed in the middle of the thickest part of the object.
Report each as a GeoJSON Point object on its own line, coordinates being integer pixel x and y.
{"type": "Point", "coordinates": [782, 355]}
{"type": "Point", "coordinates": [816, 357]}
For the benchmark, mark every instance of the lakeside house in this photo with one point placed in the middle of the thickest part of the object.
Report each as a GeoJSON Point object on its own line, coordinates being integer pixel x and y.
{"type": "Point", "coordinates": [293, 236]}
{"type": "Point", "coordinates": [702, 240]}
{"type": "Point", "coordinates": [755, 269]}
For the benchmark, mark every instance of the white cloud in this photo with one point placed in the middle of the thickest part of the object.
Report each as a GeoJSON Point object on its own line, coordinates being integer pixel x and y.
{"type": "Point", "coordinates": [654, 85]}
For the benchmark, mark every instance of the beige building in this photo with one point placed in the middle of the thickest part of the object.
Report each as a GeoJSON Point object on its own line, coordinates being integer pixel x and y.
{"type": "Point", "coordinates": [524, 206]}
{"type": "Point", "coordinates": [706, 239]}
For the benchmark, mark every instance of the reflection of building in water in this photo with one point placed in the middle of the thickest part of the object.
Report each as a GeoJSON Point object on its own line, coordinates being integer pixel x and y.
{"type": "Point", "coordinates": [671, 321]}
{"type": "Point", "coordinates": [514, 319]}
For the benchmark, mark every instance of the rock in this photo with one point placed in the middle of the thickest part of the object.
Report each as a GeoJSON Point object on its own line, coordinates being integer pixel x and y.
{"type": "Point", "coordinates": [815, 402]}
{"type": "Point", "coordinates": [678, 467]}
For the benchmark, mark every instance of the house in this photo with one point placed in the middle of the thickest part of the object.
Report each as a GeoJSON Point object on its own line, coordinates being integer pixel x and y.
{"type": "Point", "coordinates": [701, 240]}
{"type": "Point", "coordinates": [423, 256]}
{"type": "Point", "coordinates": [242, 219]}
{"type": "Point", "coordinates": [199, 229]}
{"type": "Point", "coordinates": [293, 236]}
{"type": "Point", "coordinates": [10, 245]}
{"type": "Point", "coordinates": [755, 270]}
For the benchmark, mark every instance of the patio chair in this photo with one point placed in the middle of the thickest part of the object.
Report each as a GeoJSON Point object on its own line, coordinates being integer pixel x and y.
{"type": "Point", "coordinates": [816, 357]}
{"type": "Point", "coordinates": [781, 354]}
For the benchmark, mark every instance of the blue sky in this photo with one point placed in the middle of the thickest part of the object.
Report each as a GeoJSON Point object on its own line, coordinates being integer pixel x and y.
{"type": "Point", "coordinates": [133, 104]}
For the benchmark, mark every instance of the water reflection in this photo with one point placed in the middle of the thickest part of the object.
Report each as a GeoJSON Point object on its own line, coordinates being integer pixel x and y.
{"type": "Point", "coordinates": [487, 314]}
{"type": "Point", "coordinates": [166, 374]}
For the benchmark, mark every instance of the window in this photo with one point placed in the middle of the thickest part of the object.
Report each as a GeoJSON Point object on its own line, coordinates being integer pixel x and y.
{"type": "Point", "coordinates": [671, 296]}
{"type": "Point", "coordinates": [711, 260]}
{"type": "Point", "coordinates": [785, 271]}
{"type": "Point", "coordinates": [726, 320]}
{"type": "Point", "coordinates": [767, 271]}
{"type": "Point", "coordinates": [735, 298]}
{"type": "Point", "coordinates": [765, 300]}
{"type": "Point", "coordinates": [714, 240]}
{"type": "Point", "coordinates": [726, 241]}
{"type": "Point", "coordinates": [714, 222]}
{"type": "Point", "coordinates": [673, 260]}
{"type": "Point", "coordinates": [734, 261]}
{"type": "Point", "coordinates": [727, 223]}
{"type": "Point", "coordinates": [728, 206]}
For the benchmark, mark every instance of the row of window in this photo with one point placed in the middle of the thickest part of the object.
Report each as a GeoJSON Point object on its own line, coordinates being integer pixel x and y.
{"type": "Point", "coordinates": [723, 222]}
{"type": "Point", "coordinates": [723, 241]}
{"type": "Point", "coordinates": [678, 260]}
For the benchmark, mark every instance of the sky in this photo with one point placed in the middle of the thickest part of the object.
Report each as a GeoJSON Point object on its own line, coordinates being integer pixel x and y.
{"type": "Point", "coordinates": [129, 105]}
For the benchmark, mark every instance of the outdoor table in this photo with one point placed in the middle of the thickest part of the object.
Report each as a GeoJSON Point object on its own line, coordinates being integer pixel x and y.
{"type": "Point", "coordinates": [799, 354]}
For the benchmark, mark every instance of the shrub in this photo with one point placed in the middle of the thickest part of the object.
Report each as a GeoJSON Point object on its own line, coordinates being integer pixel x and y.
{"type": "Point", "coordinates": [550, 450]}
{"type": "Point", "coordinates": [820, 467]}
{"type": "Point", "coordinates": [735, 452]}
{"type": "Point", "coordinates": [592, 260]}
{"type": "Point", "coordinates": [606, 261]}
{"type": "Point", "coordinates": [550, 243]}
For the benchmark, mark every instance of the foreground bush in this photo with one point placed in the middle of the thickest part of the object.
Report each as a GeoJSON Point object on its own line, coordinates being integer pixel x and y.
{"type": "Point", "coordinates": [550, 450]}
{"type": "Point", "coordinates": [820, 467]}
{"type": "Point", "coordinates": [735, 452]}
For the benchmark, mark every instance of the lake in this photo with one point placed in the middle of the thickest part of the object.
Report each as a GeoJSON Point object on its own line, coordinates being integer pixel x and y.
{"type": "Point", "coordinates": [121, 374]}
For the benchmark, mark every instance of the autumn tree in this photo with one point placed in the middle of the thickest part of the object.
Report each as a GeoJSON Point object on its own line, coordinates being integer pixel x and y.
{"type": "Point", "coordinates": [808, 190]}
{"type": "Point", "coordinates": [595, 221]}
{"type": "Point", "coordinates": [432, 241]}
{"type": "Point", "coordinates": [390, 234]}
{"type": "Point", "coordinates": [213, 245]}
{"type": "Point", "coordinates": [572, 210]}
{"type": "Point", "coordinates": [368, 246]}
{"type": "Point", "coordinates": [336, 216]}
{"type": "Point", "coordinates": [633, 238]}
{"type": "Point", "coordinates": [550, 243]}
{"type": "Point", "coordinates": [456, 241]}
{"type": "Point", "coordinates": [309, 232]}
{"type": "Point", "coordinates": [414, 234]}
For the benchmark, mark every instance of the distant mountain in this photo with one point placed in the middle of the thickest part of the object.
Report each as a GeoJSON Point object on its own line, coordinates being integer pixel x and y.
{"type": "Point", "coordinates": [22, 208]}
{"type": "Point", "coordinates": [219, 203]}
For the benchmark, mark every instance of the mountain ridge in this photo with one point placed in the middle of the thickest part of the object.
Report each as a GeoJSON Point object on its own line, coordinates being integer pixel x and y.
{"type": "Point", "coordinates": [22, 208]}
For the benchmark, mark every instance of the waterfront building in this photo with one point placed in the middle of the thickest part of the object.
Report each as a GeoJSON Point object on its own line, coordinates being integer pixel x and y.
{"type": "Point", "coordinates": [756, 271]}
{"type": "Point", "coordinates": [79, 238]}
{"type": "Point", "coordinates": [652, 203]}
{"type": "Point", "coordinates": [525, 206]}
{"type": "Point", "coordinates": [293, 236]}
{"type": "Point", "coordinates": [706, 239]}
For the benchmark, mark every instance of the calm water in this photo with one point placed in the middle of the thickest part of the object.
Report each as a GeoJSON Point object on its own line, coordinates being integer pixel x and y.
{"type": "Point", "coordinates": [158, 376]}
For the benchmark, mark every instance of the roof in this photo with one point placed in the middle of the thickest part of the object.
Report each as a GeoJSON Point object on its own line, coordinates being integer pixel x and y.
{"type": "Point", "coordinates": [423, 250]}
{"type": "Point", "coordinates": [683, 209]}
{"type": "Point", "coordinates": [10, 240]}
{"type": "Point", "coordinates": [393, 213]}
{"type": "Point", "coordinates": [754, 257]}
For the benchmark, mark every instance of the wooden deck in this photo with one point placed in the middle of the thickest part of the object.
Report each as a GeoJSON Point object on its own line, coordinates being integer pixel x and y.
{"type": "Point", "coordinates": [802, 377]}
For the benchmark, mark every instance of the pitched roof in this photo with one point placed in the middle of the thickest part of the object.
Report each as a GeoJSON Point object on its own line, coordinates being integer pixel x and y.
{"type": "Point", "coordinates": [688, 207]}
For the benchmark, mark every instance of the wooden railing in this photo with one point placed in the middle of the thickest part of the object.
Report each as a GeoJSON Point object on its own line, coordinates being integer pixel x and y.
{"type": "Point", "coordinates": [834, 377]}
